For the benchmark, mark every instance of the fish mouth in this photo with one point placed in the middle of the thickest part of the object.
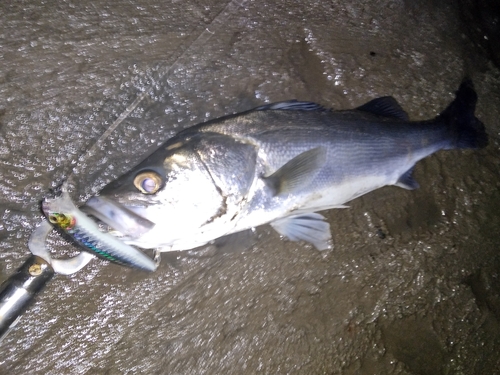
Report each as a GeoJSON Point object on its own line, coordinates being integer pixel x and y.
{"type": "Point", "coordinates": [118, 216]}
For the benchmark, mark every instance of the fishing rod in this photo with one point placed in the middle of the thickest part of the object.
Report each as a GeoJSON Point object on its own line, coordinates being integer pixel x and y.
{"type": "Point", "coordinates": [18, 292]}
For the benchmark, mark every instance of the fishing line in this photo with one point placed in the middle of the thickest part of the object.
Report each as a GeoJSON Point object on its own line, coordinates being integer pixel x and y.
{"type": "Point", "coordinates": [214, 26]}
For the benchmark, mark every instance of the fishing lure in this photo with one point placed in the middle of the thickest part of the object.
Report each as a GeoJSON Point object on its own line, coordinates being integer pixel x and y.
{"type": "Point", "coordinates": [63, 214]}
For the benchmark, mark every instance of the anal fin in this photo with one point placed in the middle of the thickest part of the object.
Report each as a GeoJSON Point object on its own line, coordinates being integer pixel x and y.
{"type": "Point", "coordinates": [406, 181]}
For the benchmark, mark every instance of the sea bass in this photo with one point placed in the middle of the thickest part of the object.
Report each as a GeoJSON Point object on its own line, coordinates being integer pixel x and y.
{"type": "Point", "coordinates": [279, 163]}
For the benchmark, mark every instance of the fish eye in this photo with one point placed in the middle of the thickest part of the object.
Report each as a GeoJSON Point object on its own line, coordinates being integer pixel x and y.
{"type": "Point", "coordinates": [148, 182]}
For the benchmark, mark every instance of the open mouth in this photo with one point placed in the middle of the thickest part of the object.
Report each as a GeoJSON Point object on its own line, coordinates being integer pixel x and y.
{"type": "Point", "coordinates": [117, 216]}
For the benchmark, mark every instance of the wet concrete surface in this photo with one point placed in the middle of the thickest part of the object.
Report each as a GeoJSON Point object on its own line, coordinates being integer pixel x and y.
{"type": "Point", "coordinates": [412, 285]}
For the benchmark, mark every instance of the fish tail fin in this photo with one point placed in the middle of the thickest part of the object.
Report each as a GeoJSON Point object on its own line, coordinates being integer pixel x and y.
{"type": "Point", "coordinates": [467, 131]}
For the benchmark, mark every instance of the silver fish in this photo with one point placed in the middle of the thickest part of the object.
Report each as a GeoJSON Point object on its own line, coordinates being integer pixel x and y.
{"type": "Point", "coordinates": [280, 164]}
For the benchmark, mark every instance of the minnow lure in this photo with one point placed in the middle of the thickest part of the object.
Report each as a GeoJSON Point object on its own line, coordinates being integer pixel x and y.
{"type": "Point", "coordinates": [63, 214]}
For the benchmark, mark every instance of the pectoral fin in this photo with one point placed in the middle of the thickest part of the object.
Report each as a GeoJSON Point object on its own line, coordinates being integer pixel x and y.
{"type": "Point", "coordinates": [298, 172]}
{"type": "Point", "coordinates": [310, 227]}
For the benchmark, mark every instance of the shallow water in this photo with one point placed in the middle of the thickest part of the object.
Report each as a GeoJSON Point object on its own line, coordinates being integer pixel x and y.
{"type": "Point", "coordinates": [412, 284]}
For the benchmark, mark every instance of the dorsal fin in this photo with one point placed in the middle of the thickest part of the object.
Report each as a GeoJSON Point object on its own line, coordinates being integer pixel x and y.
{"type": "Point", "coordinates": [292, 105]}
{"type": "Point", "coordinates": [385, 106]}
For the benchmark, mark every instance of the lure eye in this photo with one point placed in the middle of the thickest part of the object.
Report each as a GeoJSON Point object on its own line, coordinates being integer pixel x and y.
{"type": "Point", "coordinates": [148, 182]}
{"type": "Point", "coordinates": [62, 220]}
{"type": "Point", "coordinates": [53, 219]}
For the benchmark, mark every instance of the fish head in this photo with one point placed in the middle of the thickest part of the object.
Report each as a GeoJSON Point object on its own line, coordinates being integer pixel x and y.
{"type": "Point", "coordinates": [170, 195]}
